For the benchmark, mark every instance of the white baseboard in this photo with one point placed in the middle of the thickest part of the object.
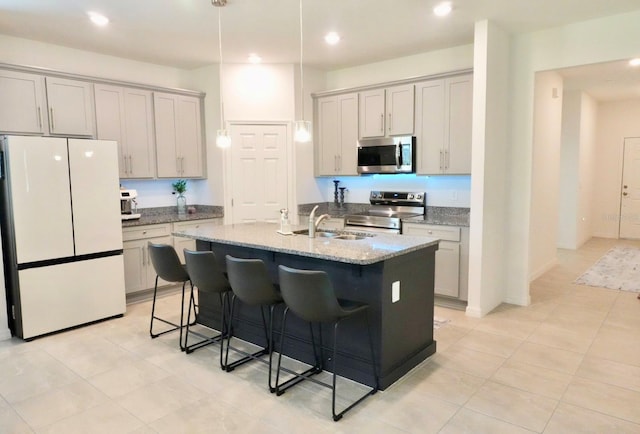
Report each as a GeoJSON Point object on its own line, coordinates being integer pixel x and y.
{"type": "Point", "coordinates": [540, 271]}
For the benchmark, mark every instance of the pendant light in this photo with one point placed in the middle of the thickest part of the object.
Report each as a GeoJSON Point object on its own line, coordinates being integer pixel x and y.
{"type": "Point", "coordinates": [223, 139]}
{"type": "Point", "coordinates": [302, 128]}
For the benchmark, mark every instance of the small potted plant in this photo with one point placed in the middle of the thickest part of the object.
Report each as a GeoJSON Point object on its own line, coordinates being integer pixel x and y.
{"type": "Point", "coordinates": [180, 187]}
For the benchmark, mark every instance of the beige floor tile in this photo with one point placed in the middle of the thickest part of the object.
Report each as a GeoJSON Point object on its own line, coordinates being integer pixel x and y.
{"type": "Point", "coordinates": [448, 335]}
{"type": "Point", "coordinates": [59, 403]}
{"type": "Point", "coordinates": [571, 419]}
{"type": "Point", "coordinates": [506, 324]}
{"type": "Point", "coordinates": [514, 406]}
{"type": "Point", "coordinates": [108, 418]}
{"type": "Point", "coordinates": [604, 398]}
{"type": "Point", "coordinates": [412, 413]}
{"type": "Point", "coordinates": [441, 382]}
{"type": "Point", "coordinates": [618, 345]}
{"type": "Point", "coordinates": [127, 376]}
{"type": "Point", "coordinates": [31, 373]}
{"type": "Point", "coordinates": [489, 343]}
{"type": "Point", "coordinates": [548, 357]}
{"type": "Point", "coordinates": [581, 321]}
{"type": "Point", "coordinates": [560, 337]}
{"type": "Point", "coordinates": [610, 372]}
{"type": "Point", "coordinates": [88, 355]}
{"type": "Point", "coordinates": [470, 361]}
{"type": "Point", "coordinates": [534, 379]}
{"type": "Point", "coordinates": [156, 400]}
{"type": "Point", "coordinates": [11, 422]}
{"type": "Point", "coordinates": [467, 421]}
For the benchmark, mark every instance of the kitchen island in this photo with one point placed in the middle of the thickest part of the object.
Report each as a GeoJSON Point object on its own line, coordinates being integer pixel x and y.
{"type": "Point", "coordinates": [393, 274]}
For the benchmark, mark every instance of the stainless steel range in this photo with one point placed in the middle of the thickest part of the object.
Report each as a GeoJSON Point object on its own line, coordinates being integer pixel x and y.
{"type": "Point", "coordinates": [388, 208]}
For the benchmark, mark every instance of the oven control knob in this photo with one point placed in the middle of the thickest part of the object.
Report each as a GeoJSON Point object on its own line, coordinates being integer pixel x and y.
{"type": "Point", "coordinates": [419, 196]}
{"type": "Point", "coordinates": [379, 195]}
{"type": "Point", "coordinates": [410, 196]}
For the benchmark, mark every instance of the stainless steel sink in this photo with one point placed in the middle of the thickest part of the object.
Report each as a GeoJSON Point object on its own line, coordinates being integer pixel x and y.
{"type": "Point", "coordinates": [350, 237]}
{"type": "Point", "coordinates": [319, 234]}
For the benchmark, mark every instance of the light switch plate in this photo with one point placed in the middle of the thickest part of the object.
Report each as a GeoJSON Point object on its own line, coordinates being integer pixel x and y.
{"type": "Point", "coordinates": [395, 291]}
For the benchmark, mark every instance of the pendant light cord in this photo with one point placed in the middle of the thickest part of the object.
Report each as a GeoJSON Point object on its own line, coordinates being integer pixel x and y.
{"type": "Point", "coordinates": [301, 73]}
{"type": "Point", "coordinates": [222, 127]}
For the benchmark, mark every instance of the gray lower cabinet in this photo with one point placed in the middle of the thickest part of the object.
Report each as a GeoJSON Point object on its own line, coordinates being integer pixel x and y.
{"type": "Point", "coordinates": [139, 273]}
{"type": "Point", "coordinates": [452, 257]}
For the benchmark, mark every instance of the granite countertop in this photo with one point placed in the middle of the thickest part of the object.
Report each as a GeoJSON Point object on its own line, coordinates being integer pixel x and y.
{"type": "Point", "coordinates": [169, 214]}
{"type": "Point", "coordinates": [264, 236]}
{"type": "Point", "coordinates": [434, 215]}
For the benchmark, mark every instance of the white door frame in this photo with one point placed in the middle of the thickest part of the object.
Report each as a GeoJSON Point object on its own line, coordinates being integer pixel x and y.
{"type": "Point", "coordinates": [292, 202]}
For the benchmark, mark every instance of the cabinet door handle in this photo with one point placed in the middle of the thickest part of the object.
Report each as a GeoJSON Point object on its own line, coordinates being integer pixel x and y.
{"type": "Point", "coordinates": [130, 165]}
{"type": "Point", "coordinates": [441, 159]}
{"type": "Point", "coordinates": [53, 124]}
{"type": "Point", "coordinates": [39, 117]}
{"type": "Point", "coordinates": [144, 256]}
{"type": "Point", "coordinates": [335, 163]}
{"type": "Point", "coordinates": [382, 122]}
{"type": "Point", "coordinates": [177, 164]}
{"type": "Point", "coordinates": [390, 122]}
{"type": "Point", "coordinates": [339, 163]}
{"type": "Point", "coordinates": [446, 159]}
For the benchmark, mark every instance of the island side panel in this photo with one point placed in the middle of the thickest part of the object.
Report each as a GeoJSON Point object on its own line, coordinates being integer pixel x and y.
{"type": "Point", "coordinates": [407, 323]}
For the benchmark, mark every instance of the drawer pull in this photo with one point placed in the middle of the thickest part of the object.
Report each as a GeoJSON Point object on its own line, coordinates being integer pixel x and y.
{"type": "Point", "coordinates": [144, 232]}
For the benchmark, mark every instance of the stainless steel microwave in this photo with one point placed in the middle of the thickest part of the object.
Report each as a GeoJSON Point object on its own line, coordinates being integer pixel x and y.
{"type": "Point", "coordinates": [387, 155]}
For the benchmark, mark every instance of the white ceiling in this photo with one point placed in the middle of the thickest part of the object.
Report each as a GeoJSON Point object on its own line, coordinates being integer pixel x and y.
{"type": "Point", "coordinates": [184, 33]}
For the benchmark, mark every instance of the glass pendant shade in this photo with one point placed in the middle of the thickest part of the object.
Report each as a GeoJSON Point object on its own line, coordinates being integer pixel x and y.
{"type": "Point", "coordinates": [302, 131]}
{"type": "Point", "coordinates": [223, 139]}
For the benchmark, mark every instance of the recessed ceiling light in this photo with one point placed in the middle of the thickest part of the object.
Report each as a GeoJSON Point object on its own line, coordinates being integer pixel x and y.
{"type": "Point", "coordinates": [443, 9]}
{"type": "Point", "coordinates": [332, 38]}
{"type": "Point", "coordinates": [635, 62]}
{"type": "Point", "coordinates": [98, 19]}
{"type": "Point", "coordinates": [254, 58]}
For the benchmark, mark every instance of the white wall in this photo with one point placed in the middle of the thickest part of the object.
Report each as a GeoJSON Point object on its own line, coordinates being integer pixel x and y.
{"type": "Point", "coordinates": [545, 182]}
{"type": "Point", "coordinates": [486, 288]}
{"type": "Point", "coordinates": [579, 116]}
{"type": "Point", "coordinates": [569, 169]}
{"type": "Point", "coordinates": [600, 40]}
{"type": "Point", "coordinates": [26, 52]}
{"type": "Point", "coordinates": [432, 62]}
{"type": "Point", "coordinates": [587, 169]}
{"type": "Point", "coordinates": [615, 121]}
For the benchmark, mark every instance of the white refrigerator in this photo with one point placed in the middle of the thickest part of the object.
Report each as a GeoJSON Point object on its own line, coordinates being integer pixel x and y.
{"type": "Point", "coordinates": [62, 233]}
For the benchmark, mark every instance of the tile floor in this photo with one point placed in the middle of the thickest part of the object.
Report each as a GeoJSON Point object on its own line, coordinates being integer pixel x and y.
{"type": "Point", "coordinates": [568, 363]}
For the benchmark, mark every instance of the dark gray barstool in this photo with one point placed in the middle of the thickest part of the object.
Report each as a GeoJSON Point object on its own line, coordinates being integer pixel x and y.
{"type": "Point", "coordinates": [167, 265]}
{"type": "Point", "coordinates": [207, 276]}
{"type": "Point", "coordinates": [310, 295]}
{"type": "Point", "coordinates": [251, 284]}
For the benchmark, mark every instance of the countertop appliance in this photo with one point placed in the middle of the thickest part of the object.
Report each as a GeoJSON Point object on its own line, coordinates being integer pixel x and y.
{"type": "Point", "coordinates": [128, 205]}
{"type": "Point", "coordinates": [387, 155]}
{"type": "Point", "coordinates": [388, 208]}
{"type": "Point", "coordinates": [62, 233]}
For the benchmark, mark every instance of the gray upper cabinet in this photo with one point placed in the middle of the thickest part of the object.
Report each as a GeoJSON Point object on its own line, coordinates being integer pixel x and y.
{"type": "Point", "coordinates": [22, 97]}
{"type": "Point", "coordinates": [337, 135]}
{"type": "Point", "coordinates": [443, 125]}
{"type": "Point", "coordinates": [70, 107]}
{"type": "Point", "coordinates": [387, 112]}
{"type": "Point", "coordinates": [126, 115]}
{"type": "Point", "coordinates": [179, 149]}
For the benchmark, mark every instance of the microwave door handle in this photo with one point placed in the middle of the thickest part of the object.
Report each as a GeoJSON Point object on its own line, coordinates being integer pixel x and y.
{"type": "Point", "coordinates": [399, 156]}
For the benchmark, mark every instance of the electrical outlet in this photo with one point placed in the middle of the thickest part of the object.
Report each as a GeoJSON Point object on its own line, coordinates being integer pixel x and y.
{"type": "Point", "coordinates": [395, 291]}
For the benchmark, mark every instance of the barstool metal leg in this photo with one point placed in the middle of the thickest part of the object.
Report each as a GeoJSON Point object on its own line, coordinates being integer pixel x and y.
{"type": "Point", "coordinates": [154, 317]}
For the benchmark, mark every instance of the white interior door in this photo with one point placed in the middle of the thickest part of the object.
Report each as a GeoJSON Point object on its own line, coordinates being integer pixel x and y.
{"type": "Point", "coordinates": [630, 191]}
{"type": "Point", "coordinates": [96, 195]}
{"type": "Point", "coordinates": [258, 172]}
{"type": "Point", "coordinates": [38, 171]}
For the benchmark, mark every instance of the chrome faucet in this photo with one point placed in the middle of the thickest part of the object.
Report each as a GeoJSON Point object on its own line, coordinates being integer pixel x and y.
{"type": "Point", "coordinates": [314, 223]}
